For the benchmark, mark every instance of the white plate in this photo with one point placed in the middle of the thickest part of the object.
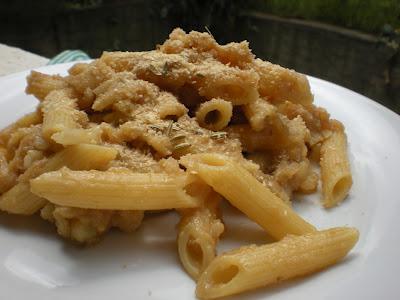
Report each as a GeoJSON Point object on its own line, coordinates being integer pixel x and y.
{"type": "Point", "coordinates": [36, 264]}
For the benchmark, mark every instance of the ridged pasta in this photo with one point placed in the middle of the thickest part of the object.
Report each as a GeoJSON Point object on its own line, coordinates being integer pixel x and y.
{"type": "Point", "coordinates": [259, 112]}
{"type": "Point", "coordinates": [20, 200]}
{"type": "Point", "coordinates": [60, 113]}
{"type": "Point", "coordinates": [250, 196]}
{"type": "Point", "coordinates": [27, 120]}
{"type": "Point", "coordinates": [214, 114]}
{"type": "Point", "coordinates": [335, 169]}
{"type": "Point", "coordinates": [78, 136]}
{"type": "Point", "coordinates": [256, 266]}
{"type": "Point", "coordinates": [123, 190]}
{"type": "Point", "coordinates": [198, 233]}
{"type": "Point", "coordinates": [40, 85]}
{"type": "Point", "coordinates": [279, 84]}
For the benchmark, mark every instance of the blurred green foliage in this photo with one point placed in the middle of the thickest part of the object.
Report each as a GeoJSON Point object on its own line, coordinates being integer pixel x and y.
{"type": "Point", "coordinates": [375, 16]}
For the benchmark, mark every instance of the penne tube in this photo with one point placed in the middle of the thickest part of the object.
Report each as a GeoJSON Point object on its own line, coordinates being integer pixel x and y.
{"type": "Point", "coordinates": [170, 108]}
{"type": "Point", "coordinates": [198, 234]}
{"type": "Point", "coordinates": [60, 113]}
{"type": "Point", "coordinates": [27, 120]}
{"type": "Point", "coordinates": [113, 190]}
{"type": "Point", "coordinates": [246, 193]}
{"type": "Point", "coordinates": [40, 85]}
{"type": "Point", "coordinates": [7, 177]}
{"type": "Point", "coordinates": [335, 169]}
{"type": "Point", "coordinates": [214, 114]}
{"type": "Point", "coordinates": [275, 136]}
{"type": "Point", "coordinates": [296, 176]}
{"type": "Point", "coordinates": [78, 136]}
{"type": "Point", "coordinates": [255, 266]}
{"type": "Point", "coordinates": [258, 112]}
{"type": "Point", "coordinates": [279, 84]}
{"type": "Point", "coordinates": [124, 86]}
{"type": "Point", "coordinates": [86, 76]}
{"type": "Point", "coordinates": [20, 200]}
{"type": "Point", "coordinates": [238, 86]}
{"type": "Point", "coordinates": [82, 157]}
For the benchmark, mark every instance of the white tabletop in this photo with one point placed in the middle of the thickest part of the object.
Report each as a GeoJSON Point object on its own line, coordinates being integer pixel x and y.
{"type": "Point", "coordinates": [14, 60]}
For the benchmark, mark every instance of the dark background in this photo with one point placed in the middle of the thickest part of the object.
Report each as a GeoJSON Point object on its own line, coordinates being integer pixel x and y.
{"type": "Point", "coordinates": [354, 43]}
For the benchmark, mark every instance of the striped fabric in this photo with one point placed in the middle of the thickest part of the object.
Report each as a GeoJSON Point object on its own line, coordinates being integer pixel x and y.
{"type": "Point", "coordinates": [67, 56]}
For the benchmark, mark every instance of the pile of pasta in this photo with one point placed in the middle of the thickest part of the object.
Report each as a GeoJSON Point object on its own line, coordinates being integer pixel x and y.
{"type": "Point", "coordinates": [182, 127]}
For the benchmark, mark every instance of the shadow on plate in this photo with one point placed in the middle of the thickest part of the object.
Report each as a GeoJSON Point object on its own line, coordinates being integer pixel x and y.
{"type": "Point", "coordinates": [151, 247]}
{"type": "Point", "coordinates": [18, 224]}
{"type": "Point", "coordinates": [151, 250]}
{"type": "Point", "coordinates": [240, 231]}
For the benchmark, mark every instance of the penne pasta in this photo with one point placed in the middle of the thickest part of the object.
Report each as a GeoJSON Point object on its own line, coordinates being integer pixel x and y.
{"type": "Point", "coordinates": [198, 235]}
{"type": "Point", "coordinates": [258, 112]}
{"type": "Point", "coordinates": [27, 120]}
{"type": "Point", "coordinates": [124, 190]}
{"type": "Point", "coordinates": [250, 196]}
{"type": "Point", "coordinates": [88, 76]}
{"type": "Point", "coordinates": [124, 86]}
{"type": "Point", "coordinates": [40, 85]}
{"type": "Point", "coordinates": [214, 114]}
{"type": "Point", "coordinates": [234, 54]}
{"type": "Point", "coordinates": [280, 84]}
{"type": "Point", "coordinates": [296, 176]}
{"type": "Point", "coordinates": [255, 266]}
{"type": "Point", "coordinates": [78, 136]}
{"type": "Point", "coordinates": [60, 113]}
{"type": "Point", "coordinates": [335, 169]}
{"type": "Point", "coordinates": [238, 86]}
{"type": "Point", "coordinates": [270, 138]}
{"type": "Point", "coordinates": [20, 200]}
{"type": "Point", "coordinates": [7, 177]}
{"type": "Point", "coordinates": [80, 157]}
